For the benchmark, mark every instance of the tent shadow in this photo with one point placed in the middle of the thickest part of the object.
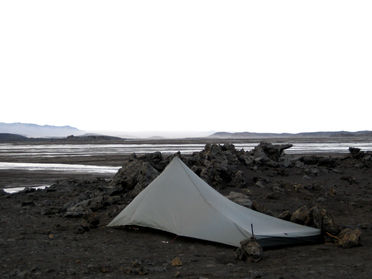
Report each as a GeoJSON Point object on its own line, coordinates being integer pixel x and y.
{"type": "Point", "coordinates": [170, 237]}
{"type": "Point", "coordinates": [173, 238]}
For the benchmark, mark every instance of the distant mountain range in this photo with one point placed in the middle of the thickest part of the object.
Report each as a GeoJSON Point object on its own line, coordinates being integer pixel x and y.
{"type": "Point", "coordinates": [250, 135]}
{"type": "Point", "coordinates": [25, 131]}
{"type": "Point", "coordinates": [38, 131]}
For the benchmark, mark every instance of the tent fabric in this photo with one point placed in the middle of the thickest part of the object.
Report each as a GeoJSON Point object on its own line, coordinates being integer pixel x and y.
{"type": "Point", "coordinates": [180, 202]}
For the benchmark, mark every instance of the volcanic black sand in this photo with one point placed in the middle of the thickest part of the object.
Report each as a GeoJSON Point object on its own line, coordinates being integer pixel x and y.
{"type": "Point", "coordinates": [40, 239]}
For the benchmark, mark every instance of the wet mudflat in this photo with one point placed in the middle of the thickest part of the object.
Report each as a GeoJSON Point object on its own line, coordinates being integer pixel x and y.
{"type": "Point", "coordinates": [60, 232]}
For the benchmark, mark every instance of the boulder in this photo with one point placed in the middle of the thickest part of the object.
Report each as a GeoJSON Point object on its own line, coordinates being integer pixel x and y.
{"type": "Point", "coordinates": [266, 151]}
{"type": "Point", "coordinates": [217, 164]}
{"type": "Point", "coordinates": [355, 152]}
{"type": "Point", "coordinates": [285, 215]}
{"type": "Point", "coordinates": [240, 199]}
{"type": "Point", "coordinates": [249, 250]}
{"type": "Point", "coordinates": [324, 221]}
{"type": "Point", "coordinates": [133, 177]}
{"type": "Point", "coordinates": [349, 238]}
{"type": "Point", "coordinates": [302, 216]}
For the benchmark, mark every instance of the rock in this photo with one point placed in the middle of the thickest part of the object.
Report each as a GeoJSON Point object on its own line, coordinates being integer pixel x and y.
{"type": "Point", "coordinates": [28, 203]}
{"type": "Point", "coordinates": [218, 165]}
{"type": "Point", "coordinates": [176, 261]}
{"type": "Point", "coordinates": [299, 164]}
{"type": "Point", "coordinates": [319, 161]}
{"type": "Point", "coordinates": [110, 200]}
{"type": "Point", "coordinates": [95, 203]}
{"type": "Point", "coordinates": [239, 179]}
{"type": "Point", "coordinates": [260, 184]}
{"type": "Point", "coordinates": [136, 268]}
{"type": "Point", "coordinates": [246, 158]}
{"type": "Point", "coordinates": [133, 177]}
{"type": "Point", "coordinates": [301, 216]}
{"type": "Point", "coordinates": [240, 199]}
{"type": "Point", "coordinates": [92, 220]}
{"type": "Point", "coordinates": [285, 215]}
{"type": "Point", "coordinates": [82, 228]}
{"type": "Point", "coordinates": [349, 238]}
{"type": "Point", "coordinates": [249, 250]}
{"type": "Point", "coordinates": [278, 188]}
{"type": "Point", "coordinates": [311, 171]}
{"type": "Point", "coordinates": [322, 220]}
{"type": "Point", "coordinates": [273, 196]}
{"type": "Point", "coordinates": [266, 151]}
{"type": "Point", "coordinates": [156, 160]}
{"type": "Point", "coordinates": [255, 206]}
{"type": "Point", "coordinates": [356, 152]}
{"type": "Point", "coordinates": [78, 210]}
{"type": "Point", "coordinates": [329, 224]}
{"type": "Point", "coordinates": [286, 162]}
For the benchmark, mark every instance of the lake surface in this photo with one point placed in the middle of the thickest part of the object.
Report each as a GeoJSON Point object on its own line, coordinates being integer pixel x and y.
{"type": "Point", "coordinates": [72, 150]}
{"type": "Point", "coordinates": [68, 150]}
{"type": "Point", "coordinates": [70, 168]}
{"type": "Point", "coordinates": [25, 152]}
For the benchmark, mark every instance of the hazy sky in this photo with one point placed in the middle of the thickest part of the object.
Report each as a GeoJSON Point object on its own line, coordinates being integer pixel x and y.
{"type": "Point", "coordinates": [280, 66]}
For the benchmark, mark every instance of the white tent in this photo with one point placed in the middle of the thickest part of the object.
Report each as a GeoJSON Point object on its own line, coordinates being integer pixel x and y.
{"type": "Point", "coordinates": [180, 202]}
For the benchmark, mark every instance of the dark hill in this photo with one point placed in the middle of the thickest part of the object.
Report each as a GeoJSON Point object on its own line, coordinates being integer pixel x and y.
{"type": "Point", "coordinates": [11, 137]}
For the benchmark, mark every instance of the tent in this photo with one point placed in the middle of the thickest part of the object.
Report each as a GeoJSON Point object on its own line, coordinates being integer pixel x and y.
{"type": "Point", "coordinates": [180, 202]}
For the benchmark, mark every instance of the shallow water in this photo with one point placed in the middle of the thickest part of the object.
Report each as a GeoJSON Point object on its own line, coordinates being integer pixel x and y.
{"type": "Point", "coordinates": [14, 190]}
{"type": "Point", "coordinates": [71, 168]}
{"type": "Point", "coordinates": [68, 150]}
{"type": "Point", "coordinates": [73, 150]}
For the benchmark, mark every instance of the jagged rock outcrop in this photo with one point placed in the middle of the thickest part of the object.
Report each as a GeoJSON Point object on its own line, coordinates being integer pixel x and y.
{"type": "Point", "coordinates": [267, 152]}
{"type": "Point", "coordinates": [135, 175]}
{"type": "Point", "coordinates": [220, 166]}
{"type": "Point", "coordinates": [357, 153]}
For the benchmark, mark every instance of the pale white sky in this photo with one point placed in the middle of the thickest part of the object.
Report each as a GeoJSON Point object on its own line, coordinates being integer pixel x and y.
{"type": "Point", "coordinates": [263, 66]}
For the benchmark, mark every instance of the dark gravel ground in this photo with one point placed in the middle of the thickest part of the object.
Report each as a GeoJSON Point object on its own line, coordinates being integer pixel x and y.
{"type": "Point", "coordinates": [36, 241]}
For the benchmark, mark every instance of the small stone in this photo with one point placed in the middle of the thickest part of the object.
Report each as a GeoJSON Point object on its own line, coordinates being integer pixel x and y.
{"type": "Point", "coordinates": [349, 238]}
{"type": "Point", "coordinates": [176, 261]}
{"type": "Point", "coordinates": [51, 236]}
